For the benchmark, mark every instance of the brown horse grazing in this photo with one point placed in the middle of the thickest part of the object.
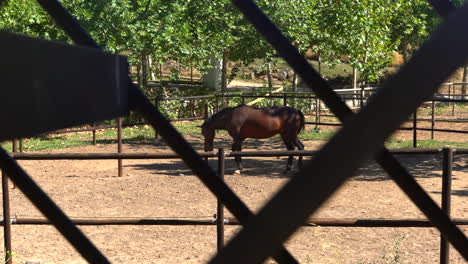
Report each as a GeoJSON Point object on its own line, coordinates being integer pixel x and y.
{"type": "Point", "coordinates": [245, 121]}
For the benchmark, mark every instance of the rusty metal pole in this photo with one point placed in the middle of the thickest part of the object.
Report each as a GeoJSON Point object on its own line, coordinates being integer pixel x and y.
{"type": "Point", "coordinates": [6, 220]}
{"type": "Point", "coordinates": [119, 144]}
{"type": "Point", "coordinates": [21, 143]}
{"type": "Point", "coordinates": [415, 129]}
{"type": "Point", "coordinates": [447, 159]}
{"type": "Point", "coordinates": [220, 208]}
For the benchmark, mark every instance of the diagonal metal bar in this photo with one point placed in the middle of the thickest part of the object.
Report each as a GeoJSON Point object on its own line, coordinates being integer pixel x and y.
{"type": "Point", "coordinates": [139, 102]}
{"type": "Point", "coordinates": [442, 7]}
{"type": "Point", "coordinates": [401, 176]}
{"type": "Point", "coordinates": [280, 228]}
{"type": "Point", "coordinates": [68, 23]}
{"type": "Point", "coordinates": [43, 202]}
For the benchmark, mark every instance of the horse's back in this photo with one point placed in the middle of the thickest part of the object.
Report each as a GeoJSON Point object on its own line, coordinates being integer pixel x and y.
{"type": "Point", "coordinates": [251, 122]}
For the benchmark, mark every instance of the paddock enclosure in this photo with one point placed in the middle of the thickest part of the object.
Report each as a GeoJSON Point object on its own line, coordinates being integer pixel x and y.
{"type": "Point", "coordinates": [91, 191]}
{"type": "Point", "coordinates": [265, 233]}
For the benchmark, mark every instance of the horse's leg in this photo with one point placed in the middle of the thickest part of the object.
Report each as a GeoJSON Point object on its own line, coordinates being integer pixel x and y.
{"type": "Point", "coordinates": [289, 146]}
{"type": "Point", "coordinates": [300, 146]}
{"type": "Point", "coordinates": [237, 146]}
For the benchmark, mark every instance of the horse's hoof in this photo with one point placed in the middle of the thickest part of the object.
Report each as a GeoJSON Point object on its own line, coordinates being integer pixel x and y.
{"type": "Point", "coordinates": [237, 172]}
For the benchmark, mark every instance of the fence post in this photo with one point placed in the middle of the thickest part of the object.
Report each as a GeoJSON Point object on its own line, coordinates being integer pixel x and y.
{"type": "Point", "coordinates": [6, 220]}
{"type": "Point", "coordinates": [156, 105]}
{"type": "Point", "coordinates": [447, 158]}
{"type": "Point", "coordinates": [14, 145]}
{"type": "Point", "coordinates": [205, 114]}
{"type": "Point", "coordinates": [220, 207]}
{"type": "Point", "coordinates": [432, 119]}
{"type": "Point", "coordinates": [94, 134]}
{"type": "Point", "coordinates": [284, 99]}
{"type": "Point", "coordinates": [317, 112]}
{"type": "Point", "coordinates": [119, 144]}
{"type": "Point", "coordinates": [415, 129]}
{"type": "Point", "coordinates": [21, 143]}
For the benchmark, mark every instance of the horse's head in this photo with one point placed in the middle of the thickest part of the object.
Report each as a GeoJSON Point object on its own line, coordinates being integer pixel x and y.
{"type": "Point", "coordinates": [209, 133]}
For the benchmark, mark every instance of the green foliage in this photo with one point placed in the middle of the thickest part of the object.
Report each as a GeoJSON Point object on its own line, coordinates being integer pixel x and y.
{"type": "Point", "coordinates": [192, 31]}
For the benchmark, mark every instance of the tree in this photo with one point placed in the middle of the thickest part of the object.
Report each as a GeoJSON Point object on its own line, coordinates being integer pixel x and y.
{"type": "Point", "coordinates": [362, 31]}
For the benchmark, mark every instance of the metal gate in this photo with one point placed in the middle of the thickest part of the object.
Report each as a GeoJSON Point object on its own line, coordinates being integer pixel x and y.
{"type": "Point", "coordinates": [309, 188]}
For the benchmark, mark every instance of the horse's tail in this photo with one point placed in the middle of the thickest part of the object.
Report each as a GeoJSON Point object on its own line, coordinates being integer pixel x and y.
{"type": "Point", "coordinates": [302, 127]}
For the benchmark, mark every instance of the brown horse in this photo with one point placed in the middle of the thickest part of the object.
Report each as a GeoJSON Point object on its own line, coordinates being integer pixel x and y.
{"type": "Point", "coordinates": [245, 121]}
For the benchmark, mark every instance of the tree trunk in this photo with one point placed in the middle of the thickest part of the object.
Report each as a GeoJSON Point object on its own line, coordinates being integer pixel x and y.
{"type": "Point", "coordinates": [151, 68]}
{"type": "Point", "coordinates": [224, 72]}
{"type": "Point", "coordinates": [144, 70]}
{"type": "Point", "coordinates": [139, 73]}
{"type": "Point", "coordinates": [319, 63]}
{"type": "Point", "coordinates": [269, 77]}
{"type": "Point", "coordinates": [294, 81]}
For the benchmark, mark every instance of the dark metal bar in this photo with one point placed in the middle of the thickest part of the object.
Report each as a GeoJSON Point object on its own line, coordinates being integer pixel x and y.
{"type": "Point", "coordinates": [170, 155]}
{"type": "Point", "coordinates": [447, 160]}
{"type": "Point", "coordinates": [220, 207]}
{"type": "Point", "coordinates": [68, 23]}
{"type": "Point", "coordinates": [101, 156]}
{"type": "Point", "coordinates": [443, 7]}
{"type": "Point", "coordinates": [311, 222]}
{"type": "Point", "coordinates": [7, 220]}
{"type": "Point", "coordinates": [49, 209]}
{"type": "Point", "coordinates": [351, 222]}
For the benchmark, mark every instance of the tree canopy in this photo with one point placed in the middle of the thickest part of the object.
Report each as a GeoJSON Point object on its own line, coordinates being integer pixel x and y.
{"type": "Point", "coordinates": [365, 32]}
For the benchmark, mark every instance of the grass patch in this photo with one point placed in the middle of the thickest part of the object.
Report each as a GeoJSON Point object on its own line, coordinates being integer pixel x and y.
{"type": "Point", "coordinates": [316, 135]}
{"type": "Point", "coordinates": [146, 134]}
{"type": "Point", "coordinates": [442, 109]}
{"type": "Point", "coordinates": [398, 143]}
{"type": "Point", "coordinates": [107, 136]}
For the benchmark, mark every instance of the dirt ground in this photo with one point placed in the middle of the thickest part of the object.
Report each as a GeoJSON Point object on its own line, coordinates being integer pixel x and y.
{"type": "Point", "coordinates": [167, 189]}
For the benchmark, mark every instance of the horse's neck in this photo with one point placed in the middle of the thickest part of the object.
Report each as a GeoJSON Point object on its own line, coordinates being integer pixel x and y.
{"type": "Point", "coordinates": [218, 124]}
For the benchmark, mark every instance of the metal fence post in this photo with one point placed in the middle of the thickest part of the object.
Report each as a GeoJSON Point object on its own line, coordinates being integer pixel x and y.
{"type": "Point", "coordinates": [14, 145]}
{"type": "Point", "coordinates": [119, 144]}
{"type": "Point", "coordinates": [447, 158]}
{"type": "Point", "coordinates": [432, 119]}
{"type": "Point", "coordinates": [220, 207]}
{"type": "Point", "coordinates": [415, 129]}
{"type": "Point", "coordinates": [6, 220]}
